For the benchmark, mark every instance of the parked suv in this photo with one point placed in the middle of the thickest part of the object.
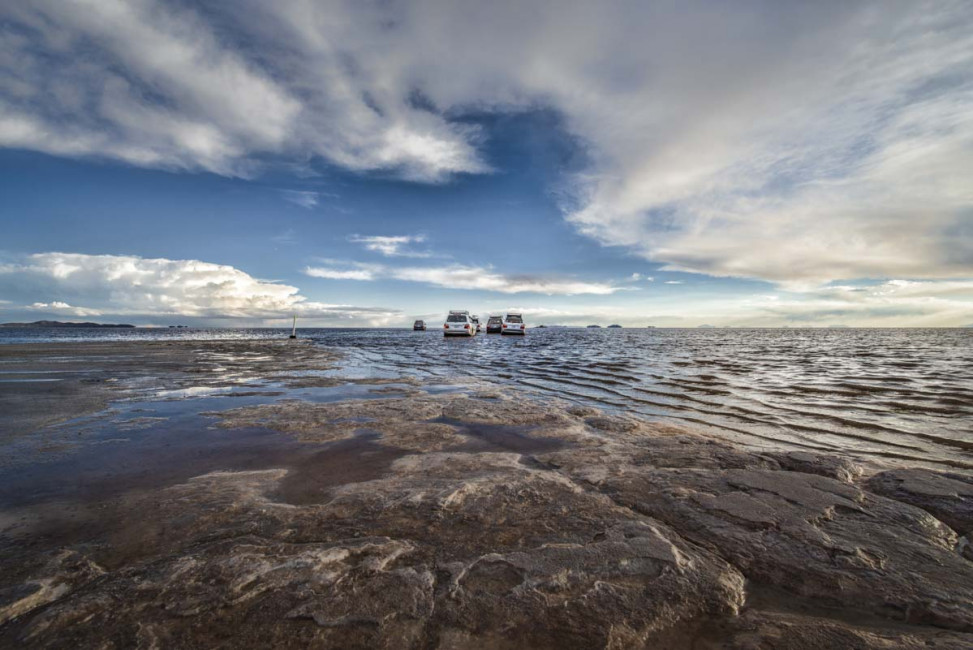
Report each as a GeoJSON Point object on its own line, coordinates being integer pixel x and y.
{"type": "Point", "coordinates": [495, 325]}
{"type": "Point", "coordinates": [513, 324]}
{"type": "Point", "coordinates": [459, 323]}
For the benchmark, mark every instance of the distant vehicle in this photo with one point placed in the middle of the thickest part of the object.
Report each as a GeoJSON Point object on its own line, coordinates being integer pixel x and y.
{"type": "Point", "coordinates": [513, 324]}
{"type": "Point", "coordinates": [476, 321]}
{"type": "Point", "coordinates": [594, 327]}
{"type": "Point", "coordinates": [419, 326]}
{"type": "Point", "coordinates": [459, 323]}
{"type": "Point", "coordinates": [614, 327]}
{"type": "Point", "coordinates": [495, 325]}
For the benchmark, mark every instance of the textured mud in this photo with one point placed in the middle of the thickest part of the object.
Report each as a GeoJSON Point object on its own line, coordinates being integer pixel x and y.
{"type": "Point", "coordinates": [479, 520]}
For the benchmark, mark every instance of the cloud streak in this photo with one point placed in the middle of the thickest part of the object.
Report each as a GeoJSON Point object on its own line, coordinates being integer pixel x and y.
{"type": "Point", "coordinates": [457, 276]}
{"type": "Point", "coordinates": [58, 307]}
{"type": "Point", "coordinates": [391, 246]}
{"type": "Point", "coordinates": [303, 198]}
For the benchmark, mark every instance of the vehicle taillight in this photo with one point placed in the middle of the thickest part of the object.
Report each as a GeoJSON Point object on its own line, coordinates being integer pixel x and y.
{"type": "Point", "coordinates": [445, 326]}
{"type": "Point", "coordinates": [466, 327]}
{"type": "Point", "coordinates": [504, 326]}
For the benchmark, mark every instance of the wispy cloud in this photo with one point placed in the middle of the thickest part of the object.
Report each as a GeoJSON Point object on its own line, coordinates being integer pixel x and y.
{"type": "Point", "coordinates": [303, 198]}
{"type": "Point", "coordinates": [456, 276]}
{"type": "Point", "coordinates": [357, 273]}
{"type": "Point", "coordinates": [822, 162]}
{"type": "Point", "coordinates": [288, 237]}
{"type": "Point", "coordinates": [162, 85]}
{"type": "Point", "coordinates": [893, 303]}
{"type": "Point", "coordinates": [391, 246]}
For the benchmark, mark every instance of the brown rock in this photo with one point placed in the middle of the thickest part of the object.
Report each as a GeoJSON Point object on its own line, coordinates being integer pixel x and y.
{"type": "Point", "coordinates": [947, 496]}
{"type": "Point", "coordinates": [815, 537]}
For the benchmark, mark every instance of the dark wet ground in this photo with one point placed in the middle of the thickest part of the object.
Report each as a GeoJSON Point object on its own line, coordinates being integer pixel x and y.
{"type": "Point", "coordinates": [134, 466]}
{"type": "Point", "coordinates": [75, 481]}
{"type": "Point", "coordinates": [150, 444]}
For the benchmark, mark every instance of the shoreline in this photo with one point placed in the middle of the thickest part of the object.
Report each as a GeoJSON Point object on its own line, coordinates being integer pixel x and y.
{"type": "Point", "coordinates": [364, 513]}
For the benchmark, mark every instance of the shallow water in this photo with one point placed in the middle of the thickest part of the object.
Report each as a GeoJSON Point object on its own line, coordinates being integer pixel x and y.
{"type": "Point", "coordinates": [883, 393]}
{"type": "Point", "coordinates": [892, 393]}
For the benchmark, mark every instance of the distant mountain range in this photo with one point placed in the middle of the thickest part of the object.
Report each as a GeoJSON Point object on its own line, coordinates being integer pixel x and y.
{"type": "Point", "coordinates": [57, 323]}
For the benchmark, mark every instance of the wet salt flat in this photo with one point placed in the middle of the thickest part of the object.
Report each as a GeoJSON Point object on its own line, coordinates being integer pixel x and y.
{"type": "Point", "coordinates": [902, 394]}
{"type": "Point", "coordinates": [170, 437]}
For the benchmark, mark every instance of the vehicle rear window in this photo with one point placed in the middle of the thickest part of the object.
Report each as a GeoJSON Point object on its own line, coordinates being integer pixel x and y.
{"type": "Point", "coordinates": [456, 318]}
{"type": "Point", "coordinates": [495, 320]}
{"type": "Point", "coordinates": [514, 319]}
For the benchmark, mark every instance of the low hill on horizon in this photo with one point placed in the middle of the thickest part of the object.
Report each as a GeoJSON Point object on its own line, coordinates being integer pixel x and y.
{"type": "Point", "coordinates": [57, 323]}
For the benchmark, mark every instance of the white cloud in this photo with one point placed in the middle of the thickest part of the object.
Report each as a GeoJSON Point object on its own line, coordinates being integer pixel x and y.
{"type": "Point", "coordinates": [129, 285]}
{"type": "Point", "coordinates": [673, 282]}
{"type": "Point", "coordinates": [813, 142]}
{"type": "Point", "coordinates": [58, 307]}
{"type": "Point", "coordinates": [391, 246]}
{"type": "Point", "coordinates": [160, 85]}
{"type": "Point", "coordinates": [843, 154]}
{"type": "Point", "coordinates": [303, 198]}
{"type": "Point", "coordinates": [457, 276]}
{"type": "Point", "coordinates": [895, 303]}
{"type": "Point", "coordinates": [362, 274]}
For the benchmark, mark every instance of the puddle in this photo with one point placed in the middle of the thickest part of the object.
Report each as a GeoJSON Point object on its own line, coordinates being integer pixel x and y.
{"type": "Point", "coordinates": [194, 391]}
{"type": "Point", "coordinates": [166, 441]}
{"type": "Point", "coordinates": [357, 459]}
{"type": "Point", "coordinates": [162, 454]}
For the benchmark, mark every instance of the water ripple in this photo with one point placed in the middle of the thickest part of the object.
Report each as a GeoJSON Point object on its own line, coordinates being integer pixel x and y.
{"type": "Point", "coordinates": [892, 393]}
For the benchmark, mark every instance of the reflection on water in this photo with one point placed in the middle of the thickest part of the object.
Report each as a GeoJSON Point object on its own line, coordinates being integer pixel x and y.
{"type": "Point", "coordinates": [899, 393]}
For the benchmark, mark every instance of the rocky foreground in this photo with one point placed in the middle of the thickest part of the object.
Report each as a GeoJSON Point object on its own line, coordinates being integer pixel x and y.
{"type": "Point", "coordinates": [486, 520]}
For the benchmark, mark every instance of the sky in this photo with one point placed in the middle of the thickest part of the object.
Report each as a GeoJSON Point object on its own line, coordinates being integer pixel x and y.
{"type": "Point", "coordinates": [755, 163]}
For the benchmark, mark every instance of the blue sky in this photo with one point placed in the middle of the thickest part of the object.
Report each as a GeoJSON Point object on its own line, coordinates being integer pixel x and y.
{"type": "Point", "coordinates": [370, 164]}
